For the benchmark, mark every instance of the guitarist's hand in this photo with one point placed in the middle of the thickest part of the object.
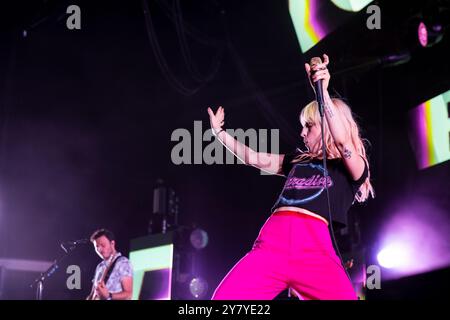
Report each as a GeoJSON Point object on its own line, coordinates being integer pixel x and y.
{"type": "Point", "coordinates": [102, 291]}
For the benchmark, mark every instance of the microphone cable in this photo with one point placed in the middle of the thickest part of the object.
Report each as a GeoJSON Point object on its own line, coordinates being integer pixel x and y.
{"type": "Point", "coordinates": [325, 176]}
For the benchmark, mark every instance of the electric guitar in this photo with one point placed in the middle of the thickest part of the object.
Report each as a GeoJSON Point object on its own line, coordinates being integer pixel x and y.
{"type": "Point", "coordinates": [94, 294]}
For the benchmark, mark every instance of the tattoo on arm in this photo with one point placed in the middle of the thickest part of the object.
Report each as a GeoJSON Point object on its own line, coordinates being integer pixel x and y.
{"type": "Point", "coordinates": [347, 153]}
{"type": "Point", "coordinates": [329, 111]}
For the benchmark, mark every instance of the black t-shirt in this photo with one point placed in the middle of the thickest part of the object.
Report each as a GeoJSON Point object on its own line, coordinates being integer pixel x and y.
{"type": "Point", "coordinates": [304, 187]}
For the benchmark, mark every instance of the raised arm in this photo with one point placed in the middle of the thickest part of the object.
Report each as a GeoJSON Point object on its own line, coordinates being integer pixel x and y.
{"type": "Point", "coordinates": [268, 162]}
{"type": "Point", "coordinates": [338, 128]}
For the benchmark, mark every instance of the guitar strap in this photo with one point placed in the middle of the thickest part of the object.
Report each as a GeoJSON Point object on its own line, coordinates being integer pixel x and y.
{"type": "Point", "coordinates": [108, 274]}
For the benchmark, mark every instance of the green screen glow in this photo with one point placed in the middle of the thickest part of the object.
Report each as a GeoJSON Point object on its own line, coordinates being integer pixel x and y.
{"type": "Point", "coordinates": [150, 259]}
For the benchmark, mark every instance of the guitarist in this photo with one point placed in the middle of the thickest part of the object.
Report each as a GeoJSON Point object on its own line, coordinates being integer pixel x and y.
{"type": "Point", "coordinates": [113, 278]}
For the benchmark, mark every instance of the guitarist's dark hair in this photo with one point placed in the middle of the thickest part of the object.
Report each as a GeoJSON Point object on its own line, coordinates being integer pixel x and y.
{"type": "Point", "coordinates": [102, 232]}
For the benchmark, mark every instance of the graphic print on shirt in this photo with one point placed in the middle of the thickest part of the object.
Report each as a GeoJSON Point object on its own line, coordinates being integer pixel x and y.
{"type": "Point", "coordinates": [304, 183]}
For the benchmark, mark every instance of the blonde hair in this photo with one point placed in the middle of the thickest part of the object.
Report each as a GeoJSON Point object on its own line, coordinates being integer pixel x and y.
{"type": "Point", "coordinates": [310, 114]}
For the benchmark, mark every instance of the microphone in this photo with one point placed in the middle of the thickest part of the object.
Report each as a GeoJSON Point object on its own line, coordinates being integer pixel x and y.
{"type": "Point", "coordinates": [71, 245]}
{"type": "Point", "coordinates": [318, 85]}
{"type": "Point", "coordinates": [76, 242]}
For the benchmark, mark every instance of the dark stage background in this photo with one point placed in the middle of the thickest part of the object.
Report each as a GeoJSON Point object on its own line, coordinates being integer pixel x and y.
{"type": "Point", "coordinates": [86, 118]}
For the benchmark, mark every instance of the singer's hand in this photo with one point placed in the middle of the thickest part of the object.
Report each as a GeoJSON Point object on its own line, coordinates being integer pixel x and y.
{"type": "Point", "coordinates": [218, 119]}
{"type": "Point", "coordinates": [319, 72]}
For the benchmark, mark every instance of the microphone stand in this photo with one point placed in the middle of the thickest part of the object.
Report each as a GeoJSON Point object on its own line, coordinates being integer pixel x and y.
{"type": "Point", "coordinates": [39, 281]}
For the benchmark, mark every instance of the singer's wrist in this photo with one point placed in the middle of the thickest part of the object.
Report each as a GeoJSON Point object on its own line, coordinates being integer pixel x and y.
{"type": "Point", "coordinates": [217, 131]}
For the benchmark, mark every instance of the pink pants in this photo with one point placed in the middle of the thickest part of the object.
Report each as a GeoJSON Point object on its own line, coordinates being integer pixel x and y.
{"type": "Point", "coordinates": [293, 250]}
